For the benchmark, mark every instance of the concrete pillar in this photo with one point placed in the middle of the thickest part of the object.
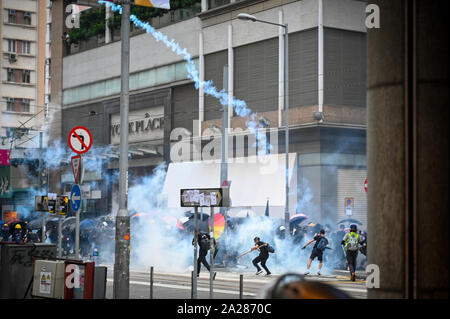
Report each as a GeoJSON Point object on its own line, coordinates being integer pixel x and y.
{"type": "Point", "coordinates": [407, 149]}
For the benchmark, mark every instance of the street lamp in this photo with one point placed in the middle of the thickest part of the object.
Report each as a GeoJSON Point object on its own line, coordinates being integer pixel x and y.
{"type": "Point", "coordinates": [248, 17]}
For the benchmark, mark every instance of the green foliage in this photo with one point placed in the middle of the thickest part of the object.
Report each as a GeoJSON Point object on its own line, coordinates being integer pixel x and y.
{"type": "Point", "coordinates": [92, 21]}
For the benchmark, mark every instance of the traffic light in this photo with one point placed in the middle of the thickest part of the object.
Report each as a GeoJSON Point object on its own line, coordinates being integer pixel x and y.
{"type": "Point", "coordinates": [63, 205]}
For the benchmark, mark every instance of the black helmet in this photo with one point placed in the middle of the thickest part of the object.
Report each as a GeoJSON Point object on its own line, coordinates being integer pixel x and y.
{"type": "Point", "coordinates": [353, 227]}
{"type": "Point", "coordinates": [256, 239]}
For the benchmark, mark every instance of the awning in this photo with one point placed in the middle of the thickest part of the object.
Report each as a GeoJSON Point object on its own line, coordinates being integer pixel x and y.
{"type": "Point", "coordinates": [252, 182]}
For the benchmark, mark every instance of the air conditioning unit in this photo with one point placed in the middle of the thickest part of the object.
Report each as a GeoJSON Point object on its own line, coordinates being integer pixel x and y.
{"type": "Point", "coordinates": [12, 57]}
{"type": "Point", "coordinates": [12, 11]}
{"type": "Point", "coordinates": [10, 100]}
{"type": "Point", "coordinates": [27, 14]}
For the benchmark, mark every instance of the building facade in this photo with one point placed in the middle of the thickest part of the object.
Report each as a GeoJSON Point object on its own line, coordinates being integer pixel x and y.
{"type": "Point", "coordinates": [327, 111]}
{"type": "Point", "coordinates": [22, 65]}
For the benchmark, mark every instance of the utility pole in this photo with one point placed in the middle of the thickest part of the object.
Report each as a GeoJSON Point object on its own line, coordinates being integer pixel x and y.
{"type": "Point", "coordinates": [41, 182]}
{"type": "Point", "coordinates": [122, 252]}
{"type": "Point", "coordinates": [286, 105]}
{"type": "Point", "coordinates": [224, 163]}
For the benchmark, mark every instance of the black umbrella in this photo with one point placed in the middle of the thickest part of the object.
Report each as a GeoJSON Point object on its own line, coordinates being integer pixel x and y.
{"type": "Point", "coordinates": [350, 221]}
{"type": "Point", "coordinates": [68, 224]}
{"type": "Point", "coordinates": [35, 224]}
{"type": "Point", "coordinates": [52, 223]}
{"type": "Point", "coordinates": [203, 222]}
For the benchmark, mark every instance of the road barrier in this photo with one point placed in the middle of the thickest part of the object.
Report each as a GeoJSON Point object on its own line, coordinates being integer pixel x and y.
{"type": "Point", "coordinates": [241, 286]}
{"type": "Point", "coordinates": [192, 284]}
{"type": "Point", "coordinates": [151, 282]}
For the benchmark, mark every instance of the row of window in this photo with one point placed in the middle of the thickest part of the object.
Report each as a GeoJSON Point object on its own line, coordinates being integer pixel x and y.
{"type": "Point", "coordinates": [17, 105]}
{"type": "Point", "coordinates": [19, 46]}
{"type": "Point", "coordinates": [19, 17]}
{"type": "Point", "coordinates": [18, 75]}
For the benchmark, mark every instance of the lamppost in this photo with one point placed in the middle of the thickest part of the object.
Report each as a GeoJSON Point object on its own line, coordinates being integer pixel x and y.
{"type": "Point", "coordinates": [248, 17]}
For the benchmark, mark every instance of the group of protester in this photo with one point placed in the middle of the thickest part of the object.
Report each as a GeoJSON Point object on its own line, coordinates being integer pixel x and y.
{"type": "Point", "coordinates": [346, 244]}
{"type": "Point", "coordinates": [19, 233]}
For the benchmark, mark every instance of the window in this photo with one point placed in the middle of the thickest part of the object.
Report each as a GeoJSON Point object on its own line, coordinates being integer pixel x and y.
{"type": "Point", "coordinates": [12, 15]}
{"type": "Point", "coordinates": [26, 76]}
{"type": "Point", "coordinates": [26, 47]}
{"type": "Point", "coordinates": [17, 105]}
{"type": "Point", "coordinates": [11, 75]}
{"type": "Point", "coordinates": [26, 105]}
{"type": "Point", "coordinates": [11, 104]}
{"type": "Point", "coordinates": [27, 18]}
{"type": "Point", "coordinates": [11, 45]}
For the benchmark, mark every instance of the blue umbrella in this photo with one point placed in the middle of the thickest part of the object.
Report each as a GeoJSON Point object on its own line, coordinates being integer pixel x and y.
{"type": "Point", "coordinates": [88, 224]}
{"type": "Point", "coordinates": [296, 220]}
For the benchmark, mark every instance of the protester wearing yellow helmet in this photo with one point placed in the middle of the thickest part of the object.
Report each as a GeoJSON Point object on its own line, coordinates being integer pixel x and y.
{"type": "Point", "coordinates": [17, 235]}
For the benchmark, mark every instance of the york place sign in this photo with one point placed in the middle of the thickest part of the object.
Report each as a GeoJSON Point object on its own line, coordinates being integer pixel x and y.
{"type": "Point", "coordinates": [143, 125]}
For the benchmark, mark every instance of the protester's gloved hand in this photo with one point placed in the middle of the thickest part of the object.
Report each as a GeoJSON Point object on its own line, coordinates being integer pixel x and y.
{"type": "Point", "coordinates": [303, 247]}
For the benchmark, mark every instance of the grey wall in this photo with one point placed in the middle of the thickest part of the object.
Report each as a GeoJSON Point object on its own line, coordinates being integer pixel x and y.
{"type": "Point", "coordinates": [256, 75]}
{"type": "Point", "coordinates": [184, 106]}
{"type": "Point", "coordinates": [16, 267]}
{"type": "Point", "coordinates": [214, 64]}
{"type": "Point", "coordinates": [303, 68]}
{"type": "Point", "coordinates": [344, 67]}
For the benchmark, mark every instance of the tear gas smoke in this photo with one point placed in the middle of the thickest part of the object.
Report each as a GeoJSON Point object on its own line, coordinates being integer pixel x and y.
{"type": "Point", "coordinates": [239, 106]}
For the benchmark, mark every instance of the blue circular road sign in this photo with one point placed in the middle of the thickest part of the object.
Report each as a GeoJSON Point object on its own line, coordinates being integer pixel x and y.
{"type": "Point", "coordinates": [75, 197]}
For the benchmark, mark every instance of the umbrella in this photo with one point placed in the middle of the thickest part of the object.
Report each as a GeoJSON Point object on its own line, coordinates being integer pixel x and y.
{"type": "Point", "coordinates": [219, 225]}
{"type": "Point", "coordinates": [51, 223]}
{"type": "Point", "coordinates": [35, 224]}
{"type": "Point", "coordinates": [350, 221]}
{"type": "Point", "coordinates": [203, 222]}
{"type": "Point", "coordinates": [69, 223]}
{"type": "Point", "coordinates": [88, 224]}
{"type": "Point", "coordinates": [297, 219]}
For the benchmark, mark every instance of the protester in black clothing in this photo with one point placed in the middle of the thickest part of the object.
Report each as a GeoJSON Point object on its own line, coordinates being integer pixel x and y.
{"type": "Point", "coordinates": [319, 247]}
{"type": "Point", "coordinates": [4, 233]}
{"type": "Point", "coordinates": [31, 237]}
{"type": "Point", "coordinates": [17, 236]}
{"type": "Point", "coordinates": [262, 257]}
{"type": "Point", "coordinates": [204, 242]}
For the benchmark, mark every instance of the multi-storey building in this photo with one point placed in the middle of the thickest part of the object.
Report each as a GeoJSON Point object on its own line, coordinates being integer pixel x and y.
{"type": "Point", "coordinates": [22, 66]}
{"type": "Point", "coordinates": [327, 114]}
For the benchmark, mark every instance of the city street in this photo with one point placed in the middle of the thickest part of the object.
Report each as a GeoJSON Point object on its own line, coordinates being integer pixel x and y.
{"type": "Point", "coordinates": [144, 140]}
{"type": "Point", "coordinates": [226, 285]}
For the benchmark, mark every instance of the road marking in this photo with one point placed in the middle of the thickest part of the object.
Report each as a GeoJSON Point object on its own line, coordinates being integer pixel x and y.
{"type": "Point", "coordinates": [231, 292]}
{"type": "Point", "coordinates": [343, 282]}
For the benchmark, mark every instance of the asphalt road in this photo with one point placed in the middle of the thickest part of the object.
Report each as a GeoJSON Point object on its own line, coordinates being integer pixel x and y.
{"type": "Point", "coordinates": [226, 285]}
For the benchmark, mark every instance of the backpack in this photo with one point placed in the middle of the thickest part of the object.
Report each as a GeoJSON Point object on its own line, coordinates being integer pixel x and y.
{"type": "Point", "coordinates": [205, 243]}
{"type": "Point", "coordinates": [322, 244]}
{"type": "Point", "coordinates": [352, 242]}
{"type": "Point", "coordinates": [270, 249]}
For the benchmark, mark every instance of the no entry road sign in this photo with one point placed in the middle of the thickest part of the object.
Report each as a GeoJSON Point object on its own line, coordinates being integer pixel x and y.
{"type": "Point", "coordinates": [75, 197]}
{"type": "Point", "coordinates": [365, 185]}
{"type": "Point", "coordinates": [80, 139]}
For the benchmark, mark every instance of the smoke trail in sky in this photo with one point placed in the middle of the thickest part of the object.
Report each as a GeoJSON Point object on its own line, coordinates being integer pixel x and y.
{"type": "Point", "coordinates": [239, 106]}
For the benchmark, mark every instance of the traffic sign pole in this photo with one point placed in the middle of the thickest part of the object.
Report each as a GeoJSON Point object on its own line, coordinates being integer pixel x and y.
{"type": "Point", "coordinates": [211, 256]}
{"type": "Point", "coordinates": [121, 284]}
{"type": "Point", "coordinates": [194, 288]}
{"type": "Point", "coordinates": [77, 234]}
{"type": "Point", "coordinates": [59, 236]}
{"type": "Point", "coordinates": [75, 201]}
